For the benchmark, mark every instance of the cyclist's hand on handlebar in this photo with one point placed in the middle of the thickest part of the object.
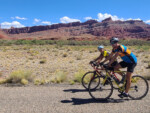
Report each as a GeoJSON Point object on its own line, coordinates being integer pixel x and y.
{"type": "Point", "coordinates": [101, 63]}
{"type": "Point", "coordinates": [91, 62]}
{"type": "Point", "coordinates": [105, 65]}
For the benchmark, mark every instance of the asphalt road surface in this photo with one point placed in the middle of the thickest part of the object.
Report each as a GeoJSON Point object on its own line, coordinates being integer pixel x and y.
{"type": "Point", "coordinates": [61, 98]}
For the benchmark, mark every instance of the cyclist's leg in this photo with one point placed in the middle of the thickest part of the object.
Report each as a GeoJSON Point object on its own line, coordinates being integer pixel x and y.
{"type": "Point", "coordinates": [118, 66]}
{"type": "Point", "coordinates": [128, 77]}
{"type": "Point", "coordinates": [130, 70]}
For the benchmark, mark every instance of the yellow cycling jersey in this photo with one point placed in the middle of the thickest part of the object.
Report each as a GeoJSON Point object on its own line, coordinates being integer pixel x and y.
{"type": "Point", "coordinates": [105, 53]}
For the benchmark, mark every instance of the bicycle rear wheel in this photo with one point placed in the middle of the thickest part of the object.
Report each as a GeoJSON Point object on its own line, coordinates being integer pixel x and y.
{"type": "Point", "coordinates": [139, 87]}
{"type": "Point", "coordinates": [87, 77]}
{"type": "Point", "coordinates": [103, 91]}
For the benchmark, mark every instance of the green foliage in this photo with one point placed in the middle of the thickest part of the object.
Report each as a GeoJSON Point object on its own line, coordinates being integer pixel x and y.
{"type": "Point", "coordinates": [148, 65]}
{"type": "Point", "coordinates": [43, 61]}
{"type": "Point", "coordinates": [36, 82]}
{"type": "Point", "coordinates": [60, 43]}
{"type": "Point", "coordinates": [147, 77]}
{"type": "Point", "coordinates": [72, 82]}
{"type": "Point", "coordinates": [78, 76]}
{"type": "Point", "coordinates": [20, 76]}
{"type": "Point", "coordinates": [65, 55]}
{"type": "Point", "coordinates": [1, 74]}
{"type": "Point", "coordinates": [24, 81]}
{"type": "Point", "coordinates": [60, 77]}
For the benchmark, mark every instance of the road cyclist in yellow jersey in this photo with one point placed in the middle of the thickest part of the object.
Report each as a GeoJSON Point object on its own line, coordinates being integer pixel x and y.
{"type": "Point", "coordinates": [103, 54]}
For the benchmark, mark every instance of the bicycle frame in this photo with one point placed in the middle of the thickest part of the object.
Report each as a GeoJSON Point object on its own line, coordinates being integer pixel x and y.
{"type": "Point", "coordinates": [108, 74]}
{"type": "Point", "coordinates": [97, 70]}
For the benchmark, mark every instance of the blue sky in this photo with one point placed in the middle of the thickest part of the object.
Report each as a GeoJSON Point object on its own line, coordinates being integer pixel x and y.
{"type": "Point", "coordinates": [22, 13]}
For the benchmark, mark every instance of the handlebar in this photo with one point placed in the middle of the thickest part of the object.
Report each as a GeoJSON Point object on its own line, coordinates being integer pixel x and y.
{"type": "Point", "coordinates": [102, 67]}
{"type": "Point", "coordinates": [96, 66]}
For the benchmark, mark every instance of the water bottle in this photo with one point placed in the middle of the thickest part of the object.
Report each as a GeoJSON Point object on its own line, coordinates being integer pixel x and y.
{"type": "Point", "coordinates": [117, 81]}
{"type": "Point", "coordinates": [122, 80]}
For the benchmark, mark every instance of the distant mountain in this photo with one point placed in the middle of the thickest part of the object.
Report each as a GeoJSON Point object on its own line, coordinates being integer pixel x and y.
{"type": "Point", "coordinates": [89, 30]}
{"type": "Point", "coordinates": [3, 35]}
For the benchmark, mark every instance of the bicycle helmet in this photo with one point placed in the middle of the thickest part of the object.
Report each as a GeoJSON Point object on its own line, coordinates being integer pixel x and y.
{"type": "Point", "coordinates": [114, 40]}
{"type": "Point", "coordinates": [100, 47]}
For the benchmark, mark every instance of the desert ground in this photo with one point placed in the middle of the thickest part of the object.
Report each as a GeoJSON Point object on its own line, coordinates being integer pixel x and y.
{"type": "Point", "coordinates": [46, 61]}
{"type": "Point", "coordinates": [46, 94]}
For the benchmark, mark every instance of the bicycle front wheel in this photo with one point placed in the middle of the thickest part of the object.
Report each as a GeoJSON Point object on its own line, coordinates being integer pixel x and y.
{"type": "Point", "coordinates": [139, 87]}
{"type": "Point", "coordinates": [87, 77]}
{"type": "Point", "coordinates": [103, 91]}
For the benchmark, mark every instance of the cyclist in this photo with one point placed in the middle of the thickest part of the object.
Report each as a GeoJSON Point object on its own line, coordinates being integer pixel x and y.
{"type": "Point", "coordinates": [129, 61]}
{"type": "Point", "coordinates": [103, 54]}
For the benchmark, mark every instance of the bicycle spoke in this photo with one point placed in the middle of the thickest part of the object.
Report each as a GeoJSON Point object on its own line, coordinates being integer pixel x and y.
{"type": "Point", "coordinates": [139, 87]}
{"type": "Point", "coordinates": [87, 78]}
{"type": "Point", "coordinates": [103, 91]}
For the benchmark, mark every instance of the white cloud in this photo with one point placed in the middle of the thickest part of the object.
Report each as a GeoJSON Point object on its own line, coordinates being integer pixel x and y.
{"type": "Point", "coordinates": [36, 20]}
{"type": "Point", "coordinates": [148, 21]}
{"type": "Point", "coordinates": [66, 19]}
{"type": "Point", "coordinates": [7, 25]}
{"type": "Point", "coordinates": [19, 18]}
{"type": "Point", "coordinates": [46, 22]}
{"type": "Point", "coordinates": [88, 18]}
{"type": "Point", "coordinates": [134, 19]}
{"type": "Point", "coordinates": [104, 16]}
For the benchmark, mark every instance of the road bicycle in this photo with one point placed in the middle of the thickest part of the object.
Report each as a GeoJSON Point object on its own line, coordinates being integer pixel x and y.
{"type": "Point", "coordinates": [98, 71]}
{"type": "Point", "coordinates": [88, 76]}
{"type": "Point", "coordinates": [101, 87]}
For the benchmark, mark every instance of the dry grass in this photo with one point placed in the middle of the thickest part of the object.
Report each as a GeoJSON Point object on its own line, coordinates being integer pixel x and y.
{"type": "Point", "coordinates": [20, 76]}
{"type": "Point", "coordinates": [57, 64]}
{"type": "Point", "coordinates": [59, 77]}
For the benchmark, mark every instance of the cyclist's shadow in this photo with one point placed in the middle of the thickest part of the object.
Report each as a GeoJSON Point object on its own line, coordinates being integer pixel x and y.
{"type": "Point", "coordinates": [75, 90]}
{"type": "Point", "coordinates": [79, 101]}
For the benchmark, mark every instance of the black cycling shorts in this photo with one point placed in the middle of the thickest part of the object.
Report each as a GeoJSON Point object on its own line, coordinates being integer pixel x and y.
{"type": "Point", "coordinates": [114, 63]}
{"type": "Point", "coordinates": [130, 66]}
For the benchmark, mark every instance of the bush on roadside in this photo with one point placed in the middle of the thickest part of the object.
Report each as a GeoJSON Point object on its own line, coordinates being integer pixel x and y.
{"type": "Point", "coordinates": [20, 76]}
{"type": "Point", "coordinates": [78, 76]}
{"type": "Point", "coordinates": [148, 65]}
{"type": "Point", "coordinates": [60, 77]}
{"type": "Point", "coordinates": [43, 61]}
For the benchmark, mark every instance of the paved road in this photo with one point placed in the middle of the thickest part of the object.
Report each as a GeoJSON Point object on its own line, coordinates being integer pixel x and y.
{"type": "Point", "coordinates": [64, 99]}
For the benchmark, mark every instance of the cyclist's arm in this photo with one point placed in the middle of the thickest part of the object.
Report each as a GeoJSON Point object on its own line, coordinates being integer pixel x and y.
{"type": "Point", "coordinates": [99, 58]}
{"type": "Point", "coordinates": [113, 58]}
{"type": "Point", "coordinates": [109, 57]}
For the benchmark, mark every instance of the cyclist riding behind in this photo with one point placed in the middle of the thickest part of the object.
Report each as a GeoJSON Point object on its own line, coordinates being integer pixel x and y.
{"type": "Point", "coordinates": [103, 54]}
{"type": "Point", "coordinates": [129, 61]}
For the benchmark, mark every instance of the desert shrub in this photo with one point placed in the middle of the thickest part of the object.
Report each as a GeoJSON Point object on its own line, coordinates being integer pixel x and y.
{"type": "Point", "coordinates": [148, 65]}
{"type": "Point", "coordinates": [60, 77]}
{"type": "Point", "coordinates": [24, 81]}
{"type": "Point", "coordinates": [43, 61]}
{"type": "Point", "coordinates": [78, 76]}
{"type": "Point", "coordinates": [79, 57]}
{"type": "Point", "coordinates": [72, 82]}
{"type": "Point", "coordinates": [1, 74]}
{"type": "Point", "coordinates": [147, 77]}
{"type": "Point", "coordinates": [37, 82]}
{"type": "Point", "coordinates": [2, 81]}
{"type": "Point", "coordinates": [20, 76]}
{"type": "Point", "coordinates": [33, 52]}
{"type": "Point", "coordinates": [65, 55]}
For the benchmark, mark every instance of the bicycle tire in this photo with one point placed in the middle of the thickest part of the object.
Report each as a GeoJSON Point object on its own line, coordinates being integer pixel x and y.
{"type": "Point", "coordinates": [139, 87]}
{"type": "Point", "coordinates": [87, 77]}
{"type": "Point", "coordinates": [98, 93]}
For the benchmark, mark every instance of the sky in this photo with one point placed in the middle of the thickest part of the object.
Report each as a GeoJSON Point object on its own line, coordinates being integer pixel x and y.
{"type": "Point", "coordinates": [24, 13]}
